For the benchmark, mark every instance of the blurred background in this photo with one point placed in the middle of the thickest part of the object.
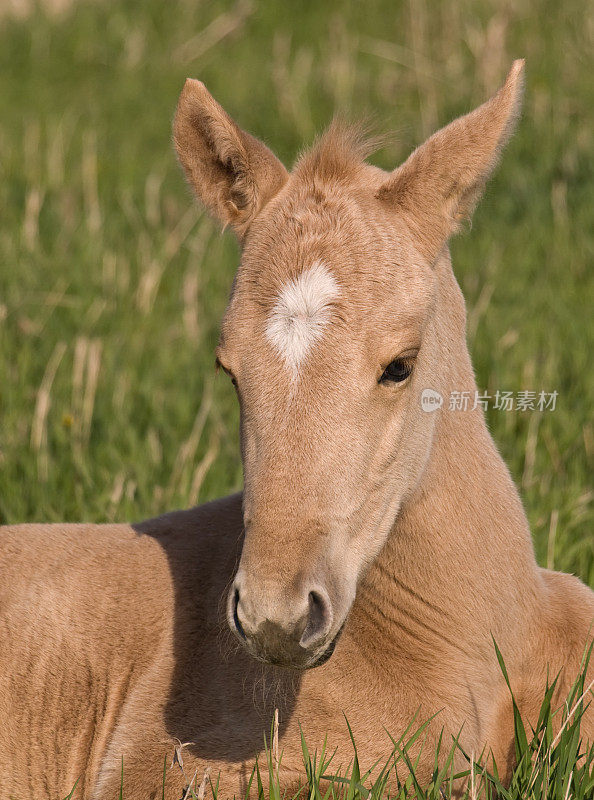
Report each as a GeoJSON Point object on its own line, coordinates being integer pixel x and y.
{"type": "Point", "coordinates": [112, 283]}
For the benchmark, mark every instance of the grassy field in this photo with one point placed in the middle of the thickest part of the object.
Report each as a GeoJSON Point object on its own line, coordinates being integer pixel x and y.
{"type": "Point", "coordinates": [112, 283]}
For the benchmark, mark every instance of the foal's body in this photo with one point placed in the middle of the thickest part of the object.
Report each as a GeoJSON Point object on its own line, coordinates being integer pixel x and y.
{"type": "Point", "coordinates": [360, 513]}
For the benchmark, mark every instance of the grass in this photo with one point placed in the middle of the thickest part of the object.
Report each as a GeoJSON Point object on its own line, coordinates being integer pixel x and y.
{"type": "Point", "coordinates": [112, 283]}
{"type": "Point", "coordinates": [550, 765]}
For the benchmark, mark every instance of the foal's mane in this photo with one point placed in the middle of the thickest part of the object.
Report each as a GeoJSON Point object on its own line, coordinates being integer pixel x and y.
{"type": "Point", "coordinates": [339, 151]}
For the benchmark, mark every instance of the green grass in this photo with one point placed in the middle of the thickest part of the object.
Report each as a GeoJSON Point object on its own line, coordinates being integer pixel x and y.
{"type": "Point", "coordinates": [112, 284]}
{"type": "Point", "coordinates": [552, 763]}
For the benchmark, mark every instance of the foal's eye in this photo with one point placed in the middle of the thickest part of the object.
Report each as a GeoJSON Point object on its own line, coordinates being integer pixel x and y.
{"type": "Point", "coordinates": [397, 370]}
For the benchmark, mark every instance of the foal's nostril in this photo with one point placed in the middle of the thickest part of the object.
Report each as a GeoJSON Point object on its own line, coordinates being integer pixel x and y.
{"type": "Point", "coordinates": [274, 629]}
{"type": "Point", "coordinates": [319, 619]}
{"type": "Point", "coordinates": [237, 623]}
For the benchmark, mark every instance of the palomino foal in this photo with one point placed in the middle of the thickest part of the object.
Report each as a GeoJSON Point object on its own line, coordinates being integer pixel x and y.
{"type": "Point", "coordinates": [383, 545]}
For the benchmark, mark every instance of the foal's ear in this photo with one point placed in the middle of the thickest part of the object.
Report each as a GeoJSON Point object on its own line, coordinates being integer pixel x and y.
{"type": "Point", "coordinates": [440, 183]}
{"type": "Point", "coordinates": [232, 173]}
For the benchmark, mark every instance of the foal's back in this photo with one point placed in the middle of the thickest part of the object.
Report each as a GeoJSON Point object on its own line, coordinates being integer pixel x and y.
{"type": "Point", "coordinates": [86, 612]}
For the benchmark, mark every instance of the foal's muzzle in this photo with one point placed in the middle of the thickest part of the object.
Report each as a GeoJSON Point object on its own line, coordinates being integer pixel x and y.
{"type": "Point", "coordinates": [281, 630]}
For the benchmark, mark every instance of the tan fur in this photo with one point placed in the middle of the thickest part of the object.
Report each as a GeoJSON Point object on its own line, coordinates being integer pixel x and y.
{"type": "Point", "coordinates": [114, 640]}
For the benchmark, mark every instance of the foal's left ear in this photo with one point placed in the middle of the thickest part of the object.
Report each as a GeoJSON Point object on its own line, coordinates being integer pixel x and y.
{"type": "Point", "coordinates": [438, 186]}
{"type": "Point", "coordinates": [232, 173]}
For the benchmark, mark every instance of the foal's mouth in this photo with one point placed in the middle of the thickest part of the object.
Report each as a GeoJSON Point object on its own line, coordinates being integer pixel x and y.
{"type": "Point", "coordinates": [276, 660]}
{"type": "Point", "coordinates": [326, 655]}
{"type": "Point", "coordinates": [271, 643]}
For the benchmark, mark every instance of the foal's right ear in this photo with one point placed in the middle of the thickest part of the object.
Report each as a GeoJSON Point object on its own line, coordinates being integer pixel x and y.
{"type": "Point", "coordinates": [232, 173]}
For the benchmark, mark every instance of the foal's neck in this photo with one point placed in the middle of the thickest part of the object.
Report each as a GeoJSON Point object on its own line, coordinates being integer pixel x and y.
{"type": "Point", "coordinates": [459, 564]}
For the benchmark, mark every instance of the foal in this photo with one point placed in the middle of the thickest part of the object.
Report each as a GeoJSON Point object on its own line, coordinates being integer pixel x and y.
{"type": "Point", "coordinates": [383, 544]}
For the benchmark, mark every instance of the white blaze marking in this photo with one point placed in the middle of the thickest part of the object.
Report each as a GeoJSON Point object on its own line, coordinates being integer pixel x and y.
{"type": "Point", "coordinates": [300, 314]}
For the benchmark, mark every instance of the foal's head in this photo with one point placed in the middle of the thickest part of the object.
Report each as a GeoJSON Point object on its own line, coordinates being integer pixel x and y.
{"type": "Point", "coordinates": [337, 321]}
